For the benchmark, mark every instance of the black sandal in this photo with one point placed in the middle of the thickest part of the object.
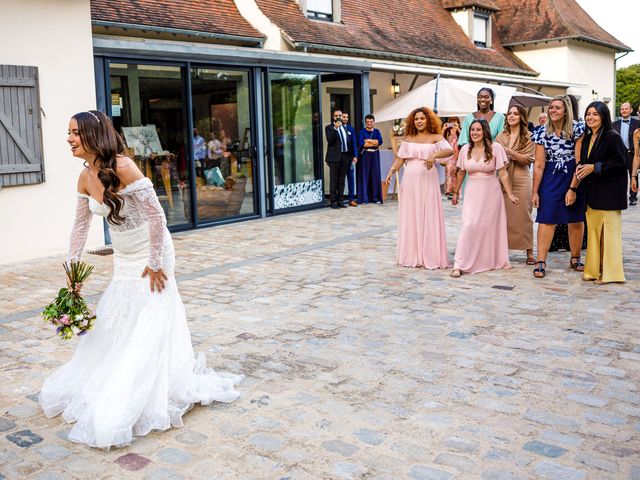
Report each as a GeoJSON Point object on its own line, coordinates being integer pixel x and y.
{"type": "Point", "coordinates": [539, 271]}
{"type": "Point", "coordinates": [578, 266]}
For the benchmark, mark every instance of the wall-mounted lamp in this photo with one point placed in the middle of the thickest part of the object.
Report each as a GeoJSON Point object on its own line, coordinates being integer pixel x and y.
{"type": "Point", "coordinates": [594, 94]}
{"type": "Point", "coordinates": [395, 87]}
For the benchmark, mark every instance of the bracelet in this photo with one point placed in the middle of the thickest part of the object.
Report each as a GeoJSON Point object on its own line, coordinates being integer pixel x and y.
{"type": "Point", "coordinates": [392, 171]}
{"type": "Point", "coordinates": [573, 189]}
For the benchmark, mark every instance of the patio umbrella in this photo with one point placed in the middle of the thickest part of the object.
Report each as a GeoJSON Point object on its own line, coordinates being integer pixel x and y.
{"type": "Point", "coordinates": [528, 100]}
{"type": "Point", "coordinates": [454, 98]}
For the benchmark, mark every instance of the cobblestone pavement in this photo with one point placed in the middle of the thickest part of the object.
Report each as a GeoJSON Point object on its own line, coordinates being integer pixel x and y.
{"type": "Point", "coordinates": [355, 367]}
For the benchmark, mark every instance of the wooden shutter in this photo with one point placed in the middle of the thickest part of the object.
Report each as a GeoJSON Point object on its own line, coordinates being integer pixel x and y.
{"type": "Point", "coordinates": [20, 127]}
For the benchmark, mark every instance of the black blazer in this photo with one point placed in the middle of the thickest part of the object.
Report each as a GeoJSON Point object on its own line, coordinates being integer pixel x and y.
{"type": "Point", "coordinates": [334, 148]}
{"type": "Point", "coordinates": [633, 125]}
{"type": "Point", "coordinates": [606, 187]}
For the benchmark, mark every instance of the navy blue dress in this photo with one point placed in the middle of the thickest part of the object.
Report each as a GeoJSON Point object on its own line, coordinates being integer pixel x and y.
{"type": "Point", "coordinates": [560, 165]}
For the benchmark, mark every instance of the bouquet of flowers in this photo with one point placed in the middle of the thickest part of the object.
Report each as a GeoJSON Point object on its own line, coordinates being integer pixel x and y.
{"type": "Point", "coordinates": [398, 128]}
{"type": "Point", "coordinates": [69, 312]}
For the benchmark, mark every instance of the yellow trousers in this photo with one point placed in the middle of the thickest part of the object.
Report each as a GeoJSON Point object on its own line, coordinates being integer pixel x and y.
{"type": "Point", "coordinates": [604, 246]}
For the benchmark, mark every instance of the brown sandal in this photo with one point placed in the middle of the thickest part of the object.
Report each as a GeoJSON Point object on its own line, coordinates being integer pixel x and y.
{"type": "Point", "coordinates": [578, 266]}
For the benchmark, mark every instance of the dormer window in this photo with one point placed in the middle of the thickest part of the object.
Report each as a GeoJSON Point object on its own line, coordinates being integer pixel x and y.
{"type": "Point", "coordinates": [481, 32]}
{"type": "Point", "coordinates": [324, 10]}
{"type": "Point", "coordinates": [320, 10]}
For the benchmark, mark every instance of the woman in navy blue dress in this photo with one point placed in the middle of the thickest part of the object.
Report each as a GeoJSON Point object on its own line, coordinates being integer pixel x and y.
{"type": "Point", "coordinates": [368, 174]}
{"type": "Point", "coordinates": [555, 193]}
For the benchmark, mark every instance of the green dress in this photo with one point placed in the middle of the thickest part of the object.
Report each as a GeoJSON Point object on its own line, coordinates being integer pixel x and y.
{"type": "Point", "coordinates": [496, 125]}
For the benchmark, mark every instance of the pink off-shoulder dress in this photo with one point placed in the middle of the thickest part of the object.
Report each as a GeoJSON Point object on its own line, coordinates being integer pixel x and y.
{"type": "Point", "coordinates": [421, 234]}
{"type": "Point", "coordinates": [483, 243]}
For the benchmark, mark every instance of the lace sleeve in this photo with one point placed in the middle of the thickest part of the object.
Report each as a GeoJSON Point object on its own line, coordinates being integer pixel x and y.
{"type": "Point", "coordinates": [80, 229]}
{"type": "Point", "coordinates": [157, 222]}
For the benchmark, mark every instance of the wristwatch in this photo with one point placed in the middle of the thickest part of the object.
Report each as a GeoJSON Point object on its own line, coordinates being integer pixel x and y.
{"type": "Point", "coordinates": [573, 189]}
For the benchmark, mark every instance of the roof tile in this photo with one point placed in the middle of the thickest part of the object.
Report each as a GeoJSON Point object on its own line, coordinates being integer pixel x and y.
{"type": "Point", "coordinates": [422, 29]}
{"type": "Point", "coordinates": [525, 21]}
{"type": "Point", "coordinates": [218, 17]}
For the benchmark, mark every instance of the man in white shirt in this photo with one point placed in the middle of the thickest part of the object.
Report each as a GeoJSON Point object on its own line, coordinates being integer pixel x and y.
{"type": "Point", "coordinates": [625, 127]}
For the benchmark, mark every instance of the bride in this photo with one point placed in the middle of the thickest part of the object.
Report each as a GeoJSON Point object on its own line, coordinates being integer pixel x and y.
{"type": "Point", "coordinates": [135, 371]}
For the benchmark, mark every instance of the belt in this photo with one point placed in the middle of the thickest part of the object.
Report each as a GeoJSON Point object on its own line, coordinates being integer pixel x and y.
{"type": "Point", "coordinates": [370, 149]}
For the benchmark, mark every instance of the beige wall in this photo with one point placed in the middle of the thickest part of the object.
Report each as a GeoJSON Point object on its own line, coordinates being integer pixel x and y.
{"type": "Point", "coordinates": [582, 63]}
{"type": "Point", "coordinates": [55, 36]}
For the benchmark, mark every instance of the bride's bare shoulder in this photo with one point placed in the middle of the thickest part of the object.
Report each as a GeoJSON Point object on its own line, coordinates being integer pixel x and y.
{"type": "Point", "coordinates": [127, 170]}
{"type": "Point", "coordinates": [83, 179]}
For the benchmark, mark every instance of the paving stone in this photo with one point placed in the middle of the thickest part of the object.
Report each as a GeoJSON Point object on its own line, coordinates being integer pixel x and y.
{"type": "Point", "coordinates": [605, 418]}
{"type": "Point", "coordinates": [189, 437]}
{"type": "Point", "coordinates": [546, 418]}
{"type": "Point", "coordinates": [461, 445]}
{"type": "Point", "coordinates": [496, 474]}
{"type": "Point", "coordinates": [371, 437]}
{"type": "Point", "coordinates": [338, 446]}
{"type": "Point", "coordinates": [589, 400]}
{"type": "Point", "coordinates": [597, 462]}
{"type": "Point", "coordinates": [175, 456]}
{"type": "Point", "coordinates": [24, 438]}
{"type": "Point", "coordinates": [458, 462]}
{"type": "Point", "coordinates": [48, 476]}
{"type": "Point", "coordinates": [25, 410]}
{"type": "Point", "coordinates": [610, 371]}
{"type": "Point", "coordinates": [6, 425]}
{"type": "Point", "coordinates": [628, 409]}
{"type": "Point", "coordinates": [349, 471]}
{"type": "Point", "coordinates": [545, 449]}
{"type": "Point", "coordinates": [634, 474]}
{"type": "Point", "coordinates": [132, 462]}
{"type": "Point", "coordinates": [563, 438]}
{"type": "Point", "coordinates": [555, 471]}
{"type": "Point", "coordinates": [164, 474]}
{"type": "Point", "coordinates": [52, 452]}
{"type": "Point", "coordinates": [266, 442]}
{"type": "Point", "coordinates": [422, 472]}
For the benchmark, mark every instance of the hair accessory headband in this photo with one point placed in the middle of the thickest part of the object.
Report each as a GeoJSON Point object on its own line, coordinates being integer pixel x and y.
{"type": "Point", "coordinates": [94, 116]}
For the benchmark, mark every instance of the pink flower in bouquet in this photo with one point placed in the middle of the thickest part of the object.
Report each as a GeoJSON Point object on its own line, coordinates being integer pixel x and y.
{"type": "Point", "coordinates": [65, 320]}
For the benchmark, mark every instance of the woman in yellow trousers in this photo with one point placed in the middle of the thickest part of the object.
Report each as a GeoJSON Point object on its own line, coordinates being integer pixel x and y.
{"type": "Point", "coordinates": [603, 171]}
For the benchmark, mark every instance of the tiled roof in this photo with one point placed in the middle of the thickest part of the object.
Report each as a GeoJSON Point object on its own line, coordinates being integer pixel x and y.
{"type": "Point", "coordinates": [527, 21]}
{"type": "Point", "coordinates": [486, 4]}
{"type": "Point", "coordinates": [219, 18]}
{"type": "Point", "coordinates": [417, 30]}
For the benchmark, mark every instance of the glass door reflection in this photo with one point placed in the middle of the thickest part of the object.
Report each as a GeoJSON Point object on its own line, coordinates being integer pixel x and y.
{"type": "Point", "coordinates": [147, 110]}
{"type": "Point", "coordinates": [222, 143]}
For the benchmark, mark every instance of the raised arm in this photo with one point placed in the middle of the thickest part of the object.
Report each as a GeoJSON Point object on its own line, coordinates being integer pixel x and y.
{"type": "Point", "coordinates": [80, 229]}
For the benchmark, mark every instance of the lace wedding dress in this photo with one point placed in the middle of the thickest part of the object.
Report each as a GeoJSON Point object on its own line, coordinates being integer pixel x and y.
{"type": "Point", "coordinates": [135, 371]}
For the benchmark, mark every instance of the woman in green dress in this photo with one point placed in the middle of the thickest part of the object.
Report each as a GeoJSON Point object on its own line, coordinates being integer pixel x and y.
{"type": "Point", "coordinates": [485, 112]}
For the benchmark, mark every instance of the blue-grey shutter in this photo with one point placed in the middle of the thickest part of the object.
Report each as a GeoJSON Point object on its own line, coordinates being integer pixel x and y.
{"type": "Point", "coordinates": [20, 127]}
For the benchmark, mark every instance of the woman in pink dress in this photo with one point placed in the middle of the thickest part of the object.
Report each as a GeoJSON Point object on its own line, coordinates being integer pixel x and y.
{"type": "Point", "coordinates": [421, 235]}
{"type": "Point", "coordinates": [483, 243]}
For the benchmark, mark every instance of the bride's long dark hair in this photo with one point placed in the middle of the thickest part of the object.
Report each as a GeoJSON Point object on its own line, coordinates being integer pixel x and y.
{"type": "Point", "coordinates": [99, 137]}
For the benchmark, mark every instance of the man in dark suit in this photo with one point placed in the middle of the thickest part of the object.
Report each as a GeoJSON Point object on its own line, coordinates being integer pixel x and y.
{"type": "Point", "coordinates": [625, 127]}
{"type": "Point", "coordinates": [340, 153]}
{"type": "Point", "coordinates": [351, 171]}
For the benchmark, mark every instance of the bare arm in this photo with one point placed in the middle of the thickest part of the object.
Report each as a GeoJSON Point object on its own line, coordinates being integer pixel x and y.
{"type": "Point", "coordinates": [456, 190]}
{"type": "Point", "coordinates": [395, 166]}
{"type": "Point", "coordinates": [538, 170]}
{"type": "Point", "coordinates": [504, 180]}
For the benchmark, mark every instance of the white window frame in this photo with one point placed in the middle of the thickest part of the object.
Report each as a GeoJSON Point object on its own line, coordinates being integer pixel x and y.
{"type": "Point", "coordinates": [333, 17]}
{"type": "Point", "coordinates": [487, 19]}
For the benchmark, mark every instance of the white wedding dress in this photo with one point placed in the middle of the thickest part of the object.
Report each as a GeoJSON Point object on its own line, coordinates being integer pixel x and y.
{"type": "Point", "coordinates": [135, 371]}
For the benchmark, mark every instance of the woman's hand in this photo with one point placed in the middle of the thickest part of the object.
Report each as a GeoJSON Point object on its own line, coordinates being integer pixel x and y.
{"type": "Point", "coordinates": [535, 200]}
{"type": "Point", "coordinates": [454, 199]}
{"type": "Point", "coordinates": [634, 183]}
{"type": "Point", "coordinates": [429, 162]}
{"type": "Point", "coordinates": [570, 198]}
{"type": "Point", "coordinates": [156, 279]}
{"type": "Point", "coordinates": [583, 170]}
{"type": "Point", "coordinates": [515, 200]}
{"type": "Point", "coordinates": [388, 179]}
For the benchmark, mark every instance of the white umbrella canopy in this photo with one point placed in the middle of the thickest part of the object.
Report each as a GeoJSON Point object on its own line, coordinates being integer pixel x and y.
{"type": "Point", "coordinates": [454, 98]}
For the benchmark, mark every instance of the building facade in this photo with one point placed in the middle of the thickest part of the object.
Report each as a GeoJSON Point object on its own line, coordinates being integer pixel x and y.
{"type": "Point", "coordinates": [223, 104]}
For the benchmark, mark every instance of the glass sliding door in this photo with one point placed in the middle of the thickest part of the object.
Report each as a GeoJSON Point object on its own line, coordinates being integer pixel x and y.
{"type": "Point", "coordinates": [296, 139]}
{"type": "Point", "coordinates": [222, 143]}
{"type": "Point", "coordinates": [147, 110]}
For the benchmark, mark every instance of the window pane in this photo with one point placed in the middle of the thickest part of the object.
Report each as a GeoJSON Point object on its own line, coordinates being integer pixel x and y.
{"type": "Point", "coordinates": [297, 170]}
{"type": "Point", "coordinates": [222, 147]}
{"type": "Point", "coordinates": [147, 109]}
{"type": "Point", "coordinates": [480, 29]}
{"type": "Point", "coordinates": [320, 6]}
